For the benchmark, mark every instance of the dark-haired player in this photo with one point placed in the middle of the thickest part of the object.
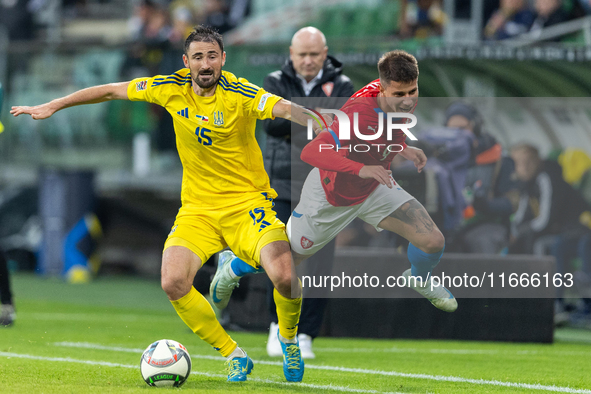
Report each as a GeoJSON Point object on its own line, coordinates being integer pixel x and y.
{"type": "Point", "coordinates": [226, 196]}
{"type": "Point", "coordinates": [352, 181]}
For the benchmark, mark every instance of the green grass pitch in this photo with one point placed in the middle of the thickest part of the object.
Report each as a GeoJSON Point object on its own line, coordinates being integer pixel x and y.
{"type": "Point", "coordinates": [89, 338]}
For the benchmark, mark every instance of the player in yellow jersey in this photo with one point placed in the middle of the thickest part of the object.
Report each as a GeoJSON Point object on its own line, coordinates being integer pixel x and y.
{"type": "Point", "coordinates": [226, 196]}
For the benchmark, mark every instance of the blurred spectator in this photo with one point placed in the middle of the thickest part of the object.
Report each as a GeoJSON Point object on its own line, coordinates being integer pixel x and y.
{"type": "Point", "coordinates": [16, 16]}
{"type": "Point", "coordinates": [142, 13]}
{"type": "Point", "coordinates": [485, 228]}
{"type": "Point", "coordinates": [548, 13]}
{"type": "Point", "coordinates": [150, 31]}
{"type": "Point", "coordinates": [217, 15]}
{"type": "Point", "coordinates": [239, 9]}
{"type": "Point", "coordinates": [585, 6]}
{"type": "Point", "coordinates": [449, 151]}
{"type": "Point", "coordinates": [183, 19]}
{"type": "Point", "coordinates": [514, 17]}
{"type": "Point", "coordinates": [547, 207]}
{"type": "Point", "coordinates": [576, 171]}
{"type": "Point", "coordinates": [422, 18]}
{"type": "Point", "coordinates": [548, 218]}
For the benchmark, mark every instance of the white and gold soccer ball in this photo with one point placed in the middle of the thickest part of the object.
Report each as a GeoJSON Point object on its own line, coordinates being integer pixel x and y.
{"type": "Point", "coordinates": [165, 363]}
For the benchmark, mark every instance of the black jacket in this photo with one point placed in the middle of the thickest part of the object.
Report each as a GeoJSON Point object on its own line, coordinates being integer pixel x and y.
{"type": "Point", "coordinates": [548, 205]}
{"type": "Point", "coordinates": [491, 181]}
{"type": "Point", "coordinates": [280, 153]}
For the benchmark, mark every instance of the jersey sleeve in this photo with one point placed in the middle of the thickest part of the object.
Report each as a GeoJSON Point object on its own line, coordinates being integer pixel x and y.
{"type": "Point", "coordinates": [321, 153]}
{"type": "Point", "coordinates": [257, 102]}
{"type": "Point", "coordinates": [145, 89]}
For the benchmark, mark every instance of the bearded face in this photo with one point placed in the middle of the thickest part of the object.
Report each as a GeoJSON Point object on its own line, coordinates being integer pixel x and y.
{"type": "Point", "coordinates": [205, 60]}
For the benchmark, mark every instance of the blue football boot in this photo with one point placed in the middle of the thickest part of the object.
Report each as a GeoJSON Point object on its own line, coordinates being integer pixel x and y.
{"type": "Point", "coordinates": [293, 363]}
{"type": "Point", "coordinates": [238, 368]}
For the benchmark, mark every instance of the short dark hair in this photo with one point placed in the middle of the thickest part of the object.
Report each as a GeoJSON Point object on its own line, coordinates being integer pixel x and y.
{"type": "Point", "coordinates": [398, 66]}
{"type": "Point", "coordinates": [203, 33]}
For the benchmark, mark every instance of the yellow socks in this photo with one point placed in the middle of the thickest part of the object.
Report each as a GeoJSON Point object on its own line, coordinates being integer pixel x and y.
{"type": "Point", "coordinates": [288, 314]}
{"type": "Point", "coordinates": [196, 312]}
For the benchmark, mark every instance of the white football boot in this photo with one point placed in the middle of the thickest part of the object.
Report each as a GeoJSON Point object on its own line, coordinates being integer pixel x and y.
{"type": "Point", "coordinates": [223, 282]}
{"type": "Point", "coordinates": [439, 295]}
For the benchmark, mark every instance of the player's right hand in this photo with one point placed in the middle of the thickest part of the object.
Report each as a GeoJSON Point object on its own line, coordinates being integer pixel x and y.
{"type": "Point", "coordinates": [378, 173]}
{"type": "Point", "coordinates": [42, 111]}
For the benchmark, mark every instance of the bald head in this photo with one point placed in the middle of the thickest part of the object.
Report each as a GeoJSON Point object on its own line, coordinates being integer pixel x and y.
{"type": "Point", "coordinates": [308, 52]}
{"type": "Point", "coordinates": [308, 35]}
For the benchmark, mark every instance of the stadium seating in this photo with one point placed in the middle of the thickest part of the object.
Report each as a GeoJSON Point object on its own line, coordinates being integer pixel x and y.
{"type": "Point", "coordinates": [357, 22]}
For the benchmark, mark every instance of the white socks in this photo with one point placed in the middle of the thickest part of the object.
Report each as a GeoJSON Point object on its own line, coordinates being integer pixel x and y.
{"type": "Point", "coordinates": [294, 340]}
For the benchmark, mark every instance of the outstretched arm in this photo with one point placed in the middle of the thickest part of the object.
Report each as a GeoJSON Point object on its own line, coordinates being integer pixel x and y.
{"type": "Point", "coordinates": [296, 113]}
{"type": "Point", "coordinates": [92, 95]}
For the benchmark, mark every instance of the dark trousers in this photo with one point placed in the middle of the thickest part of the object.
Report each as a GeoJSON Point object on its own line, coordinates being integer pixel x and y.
{"type": "Point", "coordinates": [321, 262]}
{"type": "Point", "coordinates": [5, 295]}
{"type": "Point", "coordinates": [565, 248]}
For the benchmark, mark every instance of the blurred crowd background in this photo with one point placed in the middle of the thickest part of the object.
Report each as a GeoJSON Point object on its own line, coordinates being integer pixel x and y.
{"type": "Point", "coordinates": [167, 22]}
{"type": "Point", "coordinates": [506, 176]}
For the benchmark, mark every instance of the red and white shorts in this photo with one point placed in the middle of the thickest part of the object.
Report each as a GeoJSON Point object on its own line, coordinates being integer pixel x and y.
{"type": "Point", "coordinates": [315, 222]}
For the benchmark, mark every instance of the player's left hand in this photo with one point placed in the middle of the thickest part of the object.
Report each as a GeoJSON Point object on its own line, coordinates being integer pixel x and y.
{"type": "Point", "coordinates": [416, 155]}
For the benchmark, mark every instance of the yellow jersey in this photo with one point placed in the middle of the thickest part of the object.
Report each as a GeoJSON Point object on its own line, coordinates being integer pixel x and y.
{"type": "Point", "coordinates": [215, 136]}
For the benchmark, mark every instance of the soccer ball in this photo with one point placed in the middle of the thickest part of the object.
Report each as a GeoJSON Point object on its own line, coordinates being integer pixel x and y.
{"type": "Point", "coordinates": [165, 363]}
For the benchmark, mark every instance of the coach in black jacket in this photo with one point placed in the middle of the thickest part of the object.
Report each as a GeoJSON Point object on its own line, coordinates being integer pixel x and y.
{"type": "Point", "coordinates": [310, 72]}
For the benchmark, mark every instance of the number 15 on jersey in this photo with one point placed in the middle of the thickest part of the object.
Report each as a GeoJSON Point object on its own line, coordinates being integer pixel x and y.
{"type": "Point", "coordinates": [202, 136]}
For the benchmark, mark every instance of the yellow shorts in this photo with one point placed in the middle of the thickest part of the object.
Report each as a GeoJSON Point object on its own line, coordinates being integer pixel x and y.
{"type": "Point", "coordinates": [246, 227]}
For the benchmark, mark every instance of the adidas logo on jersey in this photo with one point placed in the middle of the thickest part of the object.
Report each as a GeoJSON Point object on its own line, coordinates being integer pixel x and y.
{"type": "Point", "coordinates": [184, 113]}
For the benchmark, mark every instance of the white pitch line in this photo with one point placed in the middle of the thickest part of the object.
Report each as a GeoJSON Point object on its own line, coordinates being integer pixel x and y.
{"type": "Point", "coordinates": [440, 378]}
{"type": "Point", "coordinates": [266, 381]}
{"type": "Point", "coordinates": [448, 351]}
{"type": "Point", "coordinates": [96, 346]}
{"type": "Point", "coordinates": [455, 379]}
{"type": "Point", "coordinates": [86, 316]}
{"type": "Point", "coordinates": [404, 350]}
